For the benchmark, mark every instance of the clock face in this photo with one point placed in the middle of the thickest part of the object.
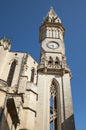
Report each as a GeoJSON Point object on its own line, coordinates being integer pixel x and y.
{"type": "Point", "coordinates": [53, 45]}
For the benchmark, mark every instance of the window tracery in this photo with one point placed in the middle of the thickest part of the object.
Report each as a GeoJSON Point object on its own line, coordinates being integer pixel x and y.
{"type": "Point", "coordinates": [54, 106]}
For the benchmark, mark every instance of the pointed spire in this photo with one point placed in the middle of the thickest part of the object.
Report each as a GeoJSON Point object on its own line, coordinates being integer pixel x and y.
{"type": "Point", "coordinates": [52, 17]}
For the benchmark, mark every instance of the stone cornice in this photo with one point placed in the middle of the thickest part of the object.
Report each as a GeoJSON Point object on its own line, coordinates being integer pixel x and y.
{"type": "Point", "coordinates": [54, 69]}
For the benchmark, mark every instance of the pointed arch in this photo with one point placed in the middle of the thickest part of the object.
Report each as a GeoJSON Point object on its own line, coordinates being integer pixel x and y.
{"type": "Point", "coordinates": [55, 122]}
{"type": "Point", "coordinates": [11, 72]}
{"type": "Point", "coordinates": [57, 61]}
{"type": "Point", "coordinates": [50, 60]}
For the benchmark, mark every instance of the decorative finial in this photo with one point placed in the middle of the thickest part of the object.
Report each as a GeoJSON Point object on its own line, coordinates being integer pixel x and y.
{"type": "Point", "coordinates": [51, 17]}
{"type": "Point", "coordinates": [6, 43]}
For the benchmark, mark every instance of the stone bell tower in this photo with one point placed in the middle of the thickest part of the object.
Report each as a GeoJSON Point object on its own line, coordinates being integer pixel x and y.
{"type": "Point", "coordinates": [54, 107]}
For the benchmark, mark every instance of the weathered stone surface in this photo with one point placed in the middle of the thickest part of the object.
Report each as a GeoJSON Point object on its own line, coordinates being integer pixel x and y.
{"type": "Point", "coordinates": [37, 96]}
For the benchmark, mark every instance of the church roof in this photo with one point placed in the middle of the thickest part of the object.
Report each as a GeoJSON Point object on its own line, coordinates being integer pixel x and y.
{"type": "Point", "coordinates": [52, 17]}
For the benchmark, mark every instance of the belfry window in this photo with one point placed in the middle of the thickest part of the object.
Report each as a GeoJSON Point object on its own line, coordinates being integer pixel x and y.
{"type": "Point", "coordinates": [32, 75]}
{"type": "Point", "coordinates": [54, 107]}
{"type": "Point", "coordinates": [57, 61]}
{"type": "Point", "coordinates": [50, 60]}
{"type": "Point", "coordinates": [11, 72]}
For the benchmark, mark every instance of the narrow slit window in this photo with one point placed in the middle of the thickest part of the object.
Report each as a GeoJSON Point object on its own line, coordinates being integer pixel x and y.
{"type": "Point", "coordinates": [32, 75]}
{"type": "Point", "coordinates": [11, 73]}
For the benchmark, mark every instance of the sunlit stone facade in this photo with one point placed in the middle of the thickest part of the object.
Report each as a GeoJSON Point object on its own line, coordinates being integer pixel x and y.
{"type": "Point", "coordinates": [37, 96]}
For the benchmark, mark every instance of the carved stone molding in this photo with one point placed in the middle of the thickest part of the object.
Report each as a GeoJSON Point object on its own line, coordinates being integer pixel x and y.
{"type": "Point", "coordinates": [3, 83]}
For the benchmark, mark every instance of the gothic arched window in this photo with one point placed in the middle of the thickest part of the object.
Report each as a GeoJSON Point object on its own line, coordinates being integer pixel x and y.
{"type": "Point", "coordinates": [11, 72]}
{"type": "Point", "coordinates": [55, 123]}
{"type": "Point", "coordinates": [32, 75]}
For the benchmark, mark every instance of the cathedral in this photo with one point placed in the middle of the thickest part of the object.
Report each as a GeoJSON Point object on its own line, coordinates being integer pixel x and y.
{"type": "Point", "coordinates": [37, 96]}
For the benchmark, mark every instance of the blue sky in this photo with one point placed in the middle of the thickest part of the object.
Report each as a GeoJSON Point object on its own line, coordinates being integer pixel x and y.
{"type": "Point", "coordinates": [20, 21]}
